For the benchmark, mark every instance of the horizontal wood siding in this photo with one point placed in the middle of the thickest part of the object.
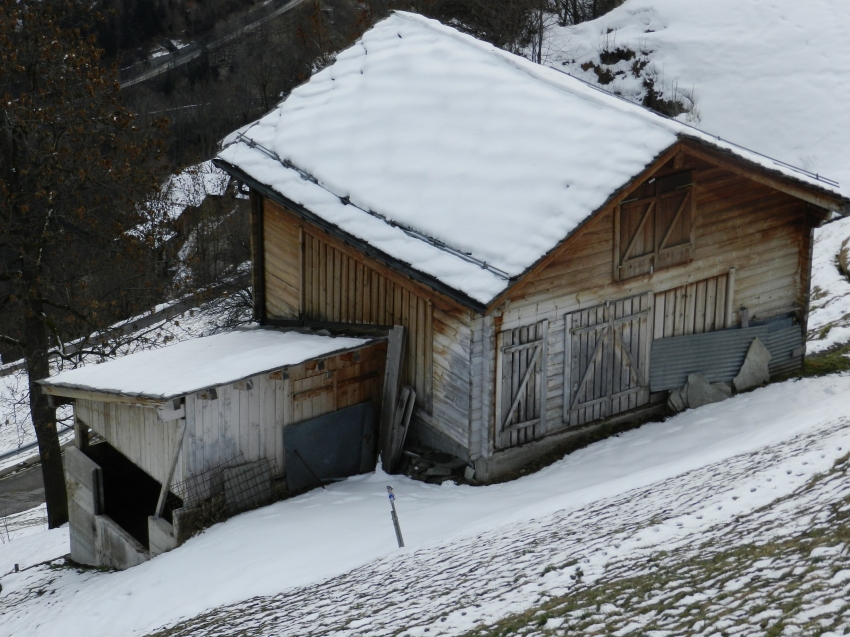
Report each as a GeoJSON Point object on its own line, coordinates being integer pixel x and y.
{"type": "Point", "coordinates": [483, 385]}
{"type": "Point", "coordinates": [136, 432]}
{"type": "Point", "coordinates": [737, 223]}
{"type": "Point", "coordinates": [282, 258]}
{"type": "Point", "coordinates": [452, 375]}
{"type": "Point", "coordinates": [317, 388]}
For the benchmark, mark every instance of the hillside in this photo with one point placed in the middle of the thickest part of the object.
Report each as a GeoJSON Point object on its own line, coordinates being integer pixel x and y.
{"type": "Point", "coordinates": [767, 76]}
{"type": "Point", "coordinates": [728, 519]}
{"type": "Point", "coordinates": [709, 481]}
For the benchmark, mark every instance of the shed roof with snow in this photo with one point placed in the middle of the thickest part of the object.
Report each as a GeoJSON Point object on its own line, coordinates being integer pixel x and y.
{"type": "Point", "coordinates": [199, 363]}
{"type": "Point", "coordinates": [464, 161]}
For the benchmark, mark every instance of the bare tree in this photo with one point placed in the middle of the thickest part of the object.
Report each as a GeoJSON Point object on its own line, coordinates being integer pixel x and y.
{"type": "Point", "coordinates": [75, 250]}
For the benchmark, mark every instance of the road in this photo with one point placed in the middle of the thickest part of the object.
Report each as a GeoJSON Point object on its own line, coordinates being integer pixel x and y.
{"type": "Point", "coordinates": [192, 52]}
{"type": "Point", "coordinates": [21, 491]}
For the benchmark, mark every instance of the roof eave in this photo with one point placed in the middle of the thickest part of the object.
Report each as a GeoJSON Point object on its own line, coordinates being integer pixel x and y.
{"type": "Point", "coordinates": [435, 284]}
{"type": "Point", "coordinates": [799, 188]}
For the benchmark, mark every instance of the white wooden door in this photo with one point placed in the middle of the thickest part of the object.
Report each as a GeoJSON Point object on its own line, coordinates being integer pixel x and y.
{"type": "Point", "coordinates": [607, 349]}
{"type": "Point", "coordinates": [521, 385]}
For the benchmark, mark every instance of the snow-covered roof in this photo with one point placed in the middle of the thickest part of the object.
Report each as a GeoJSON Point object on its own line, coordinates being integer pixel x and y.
{"type": "Point", "coordinates": [201, 363]}
{"type": "Point", "coordinates": [448, 154]}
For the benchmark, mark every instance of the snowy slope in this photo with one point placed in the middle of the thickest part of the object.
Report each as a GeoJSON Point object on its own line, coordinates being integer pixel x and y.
{"type": "Point", "coordinates": [769, 75]}
{"type": "Point", "coordinates": [656, 488]}
{"type": "Point", "coordinates": [829, 321]}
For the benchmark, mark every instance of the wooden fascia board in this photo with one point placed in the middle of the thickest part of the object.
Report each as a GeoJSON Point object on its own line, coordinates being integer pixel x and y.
{"type": "Point", "coordinates": [159, 402]}
{"type": "Point", "coordinates": [458, 297]}
{"type": "Point", "coordinates": [613, 200]}
{"type": "Point", "coordinates": [765, 176]}
{"type": "Point", "coordinates": [258, 258]}
{"type": "Point", "coordinates": [102, 397]}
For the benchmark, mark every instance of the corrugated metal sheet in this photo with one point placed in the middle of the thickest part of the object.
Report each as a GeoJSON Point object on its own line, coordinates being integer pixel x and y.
{"type": "Point", "coordinates": [719, 355]}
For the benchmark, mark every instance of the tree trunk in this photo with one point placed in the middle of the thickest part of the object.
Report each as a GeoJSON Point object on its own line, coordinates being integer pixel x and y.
{"type": "Point", "coordinates": [36, 347]}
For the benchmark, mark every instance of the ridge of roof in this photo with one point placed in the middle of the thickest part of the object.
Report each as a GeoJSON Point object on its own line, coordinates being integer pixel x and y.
{"type": "Point", "coordinates": [409, 232]}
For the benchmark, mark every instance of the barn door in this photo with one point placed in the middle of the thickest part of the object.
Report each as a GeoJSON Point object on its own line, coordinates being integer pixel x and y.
{"type": "Point", "coordinates": [607, 347]}
{"type": "Point", "coordinates": [673, 221]}
{"type": "Point", "coordinates": [521, 384]}
{"type": "Point", "coordinates": [636, 237]}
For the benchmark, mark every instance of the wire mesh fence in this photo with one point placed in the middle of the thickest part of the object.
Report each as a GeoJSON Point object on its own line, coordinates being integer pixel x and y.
{"type": "Point", "coordinates": [221, 492]}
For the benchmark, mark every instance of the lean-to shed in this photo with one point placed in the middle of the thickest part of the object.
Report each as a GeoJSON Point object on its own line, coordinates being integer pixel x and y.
{"type": "Point", "coordinates": [559, 256]}
{"type": "Point", "coordinates": [225, 419]}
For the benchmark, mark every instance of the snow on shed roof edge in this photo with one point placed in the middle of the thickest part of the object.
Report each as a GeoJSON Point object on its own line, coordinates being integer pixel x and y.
{"type": "Point", "coordinates": [202, 363]}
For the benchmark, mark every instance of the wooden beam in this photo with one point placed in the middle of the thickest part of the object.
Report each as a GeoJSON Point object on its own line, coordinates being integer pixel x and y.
{"type": "Point", "coordinates": [170, 412]}
{"type": "Point", "coordinates": [103, 397]}
{"type": "Point", "coordinates": [812, 194]}
{"type": "Point", "coordinates": [163, 494]}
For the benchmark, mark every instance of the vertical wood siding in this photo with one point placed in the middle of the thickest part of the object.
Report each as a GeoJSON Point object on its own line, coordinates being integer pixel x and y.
{"type": "Point", "coordinates": [340, 288]}
{"type": "Point", "coordinates": [282, 259]}
{"type": "Point", "coordinates": [339, 284]}
{"type": "Point", "coordinates": [693, 308]}
{"type": "Point", "coordinates": [136, 432]}
{"type": "Point", "coordinates": [239, 421]}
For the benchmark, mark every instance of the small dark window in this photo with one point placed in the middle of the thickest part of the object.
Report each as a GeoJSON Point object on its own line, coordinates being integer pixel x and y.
{"type": "Point", "coordinates": [653, 230]}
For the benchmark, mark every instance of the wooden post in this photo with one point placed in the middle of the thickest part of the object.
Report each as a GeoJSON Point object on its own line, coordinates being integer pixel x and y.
{"type": "Point", "coordinates": [544, 374]}
{"type": "Point", "coordinates": [392, 383]}
{"type": "Point", "coordinates": [731, 312]}
{"type": "Point", "coordinates": [81, 433]}
{"type": "Point", "coordinates": [160, 505]}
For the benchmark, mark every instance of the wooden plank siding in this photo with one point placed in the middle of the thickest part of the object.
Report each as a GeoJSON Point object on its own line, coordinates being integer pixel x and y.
{"type": "Point", "coordinates": [247, 422]}
{"type": "Point", "coordinates": [135, 431]}
{"type": "Point", "coordinates": [341, 289]}
{"type": "Point", "coordinates": [342, 285]}
{"type": "Point", "coordinates": [762, 233]}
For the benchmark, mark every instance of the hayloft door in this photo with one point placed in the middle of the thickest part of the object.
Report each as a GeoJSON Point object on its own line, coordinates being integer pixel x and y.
{"type": "Point", "coordinates": [607, 349]}
{"type": "Point", "coordinates": [521, 384]}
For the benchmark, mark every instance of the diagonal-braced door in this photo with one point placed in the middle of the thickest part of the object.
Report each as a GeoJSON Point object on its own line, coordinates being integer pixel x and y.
{"type": "Point", "coordinates": [521, 384]}
{"type": "Point", "coordinates": [607, 349]}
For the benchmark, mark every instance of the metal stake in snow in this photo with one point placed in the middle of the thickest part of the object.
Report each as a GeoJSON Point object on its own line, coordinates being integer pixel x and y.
{"type": "Point", "coordinates": [395, 518]}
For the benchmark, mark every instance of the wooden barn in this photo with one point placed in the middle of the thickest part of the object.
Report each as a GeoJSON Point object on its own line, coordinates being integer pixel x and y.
{"type": "Point", "coordinates": [226, 421]}
{"type": "Point", "coordinates": [558, 256]}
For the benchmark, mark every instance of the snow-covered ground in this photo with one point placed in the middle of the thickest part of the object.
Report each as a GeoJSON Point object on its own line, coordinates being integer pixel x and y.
{"type": "Point", "coordinates": [766, 75]}
{"type": "Point", "coordinates": [326, 562]}
{"type": "Point", "coordinates": [829, 321]}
